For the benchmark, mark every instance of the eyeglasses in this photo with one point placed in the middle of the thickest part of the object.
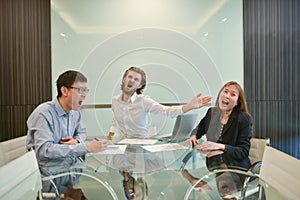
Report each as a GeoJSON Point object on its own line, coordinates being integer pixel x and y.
{"type": "Point", "coordinates": [80, 90]}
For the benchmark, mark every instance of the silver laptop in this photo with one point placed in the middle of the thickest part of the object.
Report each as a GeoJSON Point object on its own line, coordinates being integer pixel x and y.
{"type": "Point", "coordinates": [182, 129]}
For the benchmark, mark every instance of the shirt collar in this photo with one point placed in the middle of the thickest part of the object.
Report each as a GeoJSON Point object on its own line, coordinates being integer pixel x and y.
{"type": "Point", "coordinates": [131, 99]}
{"type": "Point", "coordinates": [60, 111]}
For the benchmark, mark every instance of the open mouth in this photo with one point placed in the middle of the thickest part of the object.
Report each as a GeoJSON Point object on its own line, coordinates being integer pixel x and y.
{"type": "Point", "coordinates": [129, 85]}
{"type": "Point", "coordinates": [80, 102]}
{"type": "Point", "coordinates": [225, 102]}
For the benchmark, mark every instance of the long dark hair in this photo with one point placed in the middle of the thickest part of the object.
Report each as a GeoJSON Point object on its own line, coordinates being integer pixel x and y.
{"type": "Point", "coordinates": [241, 100]}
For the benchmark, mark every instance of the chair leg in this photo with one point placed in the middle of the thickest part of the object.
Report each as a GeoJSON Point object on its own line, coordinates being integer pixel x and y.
{"type": "Point", "coordinates": [56, 190]}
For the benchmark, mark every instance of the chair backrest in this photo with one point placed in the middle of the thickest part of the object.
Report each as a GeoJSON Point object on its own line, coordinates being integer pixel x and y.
{"type": "Point", "coordinates": [257, 149]}
{"type": "Point", "coordinates": [20, 178]}
{"type": "Point", "coordinates": [12, 149]}
{"type": "Point", "coordinates": [281, 172]}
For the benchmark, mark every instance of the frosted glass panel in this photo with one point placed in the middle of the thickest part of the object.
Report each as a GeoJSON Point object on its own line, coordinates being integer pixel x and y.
{"type": "Point", "coordinates": [185, 47]}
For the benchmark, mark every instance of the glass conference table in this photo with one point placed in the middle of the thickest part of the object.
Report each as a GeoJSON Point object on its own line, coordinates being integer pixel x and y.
{"type": "Point", "coordinates": [171, 171]}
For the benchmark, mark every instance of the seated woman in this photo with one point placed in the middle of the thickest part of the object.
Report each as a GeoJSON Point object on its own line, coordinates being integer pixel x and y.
{"type": "Point", "coordinates": [228, 128]}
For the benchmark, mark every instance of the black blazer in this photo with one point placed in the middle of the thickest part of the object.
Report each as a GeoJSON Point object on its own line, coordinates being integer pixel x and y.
{"type": "Point", "coordinates": [236, 135]}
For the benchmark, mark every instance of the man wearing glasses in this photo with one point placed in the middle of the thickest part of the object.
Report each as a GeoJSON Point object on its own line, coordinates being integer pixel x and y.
{"type": "Point", "coordinates": [55, 130]}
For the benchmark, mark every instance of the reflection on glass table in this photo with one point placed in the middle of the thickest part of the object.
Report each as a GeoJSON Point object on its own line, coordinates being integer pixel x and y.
{"type": "Point", "coordinates": [73, 179]}
{"type": "Point", "coordinates": [178, 174]}
{"type": "Point", "coordinates": [140, 174]}
{"type": "Point", "coordinates": [134, 188]}
{"type": "Point", "coordinates": [216, 184]}
{"type": "Point", "coordinates": [229, 182]}
{"type": "Point", "coordinates": [220, 184]}
{"type": "Point", "coordinates": [144, 172]}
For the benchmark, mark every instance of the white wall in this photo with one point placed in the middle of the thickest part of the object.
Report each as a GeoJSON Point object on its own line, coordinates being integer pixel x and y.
{"type": "Point", "coordinates": [185, 47]}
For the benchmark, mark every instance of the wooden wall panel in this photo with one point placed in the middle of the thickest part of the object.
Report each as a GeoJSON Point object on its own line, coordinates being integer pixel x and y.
{"type": "Point", "coordinates": [25, 60]}
{"type": "Point", "coordinates": [272, 68]}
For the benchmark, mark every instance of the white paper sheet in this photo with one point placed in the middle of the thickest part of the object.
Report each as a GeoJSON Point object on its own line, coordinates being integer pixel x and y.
{"type": "Point", "coordinates": [114, 149]}
{"type": "Point", "coordinates": [164, 147]}
{"type": "Point", "coordinates": [137, 141]}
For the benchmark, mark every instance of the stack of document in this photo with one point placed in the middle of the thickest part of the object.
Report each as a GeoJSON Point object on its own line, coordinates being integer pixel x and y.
{"type": "Point", "coordinates": [164, 147]}
{"type": "Point", "coordinates": [114, 149]}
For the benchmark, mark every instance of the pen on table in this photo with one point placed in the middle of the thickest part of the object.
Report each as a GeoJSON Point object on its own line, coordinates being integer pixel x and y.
{"type": "Point", "coordinates": [97, 139]}
{"type": "Point", "coordinates": [109, 147]}
{"type": "Point", "coordinates": [97, 169]}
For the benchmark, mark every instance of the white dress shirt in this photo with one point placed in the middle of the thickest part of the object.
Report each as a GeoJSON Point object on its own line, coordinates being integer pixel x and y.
{"type": "Point", "coordinates": [130, 119]}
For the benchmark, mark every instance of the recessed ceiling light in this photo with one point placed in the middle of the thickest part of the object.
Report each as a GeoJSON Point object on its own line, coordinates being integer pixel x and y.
{"type": "Point", "coordinates": [63, 35]}
{"type": "Point", "coordinates": [224, 19]}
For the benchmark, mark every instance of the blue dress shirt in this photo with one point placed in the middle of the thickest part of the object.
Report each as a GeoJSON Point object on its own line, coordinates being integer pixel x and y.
{"type": "Point", "coordinates": [47, 124]}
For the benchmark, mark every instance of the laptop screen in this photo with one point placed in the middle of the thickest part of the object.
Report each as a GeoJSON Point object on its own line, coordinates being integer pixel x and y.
{"type": "Point", "coordinates": [183, 127]}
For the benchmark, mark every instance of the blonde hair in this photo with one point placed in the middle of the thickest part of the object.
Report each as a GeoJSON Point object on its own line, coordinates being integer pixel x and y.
{"type": "Point", "coordinates": [141, 72]}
